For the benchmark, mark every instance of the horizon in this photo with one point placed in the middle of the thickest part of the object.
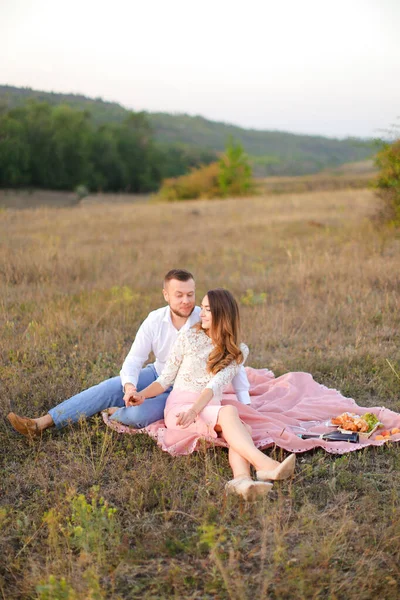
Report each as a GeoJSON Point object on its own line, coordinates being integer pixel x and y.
{"type": "Point", "coordinates": [326, 69]}
{"type": "Point", "coordinates": [81, 95]}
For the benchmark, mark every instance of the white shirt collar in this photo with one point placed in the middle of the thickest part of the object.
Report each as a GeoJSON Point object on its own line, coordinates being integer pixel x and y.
{"type": "Point", "coordinates": [167, 315]}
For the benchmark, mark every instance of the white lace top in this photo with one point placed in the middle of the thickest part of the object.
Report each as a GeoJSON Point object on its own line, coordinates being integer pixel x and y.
{"type": "Point", "coordinates": [186, 365]}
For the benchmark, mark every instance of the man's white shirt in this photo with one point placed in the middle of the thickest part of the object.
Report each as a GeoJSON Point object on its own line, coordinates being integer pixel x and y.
{"type": "Point", "coordinates": [157, 334]}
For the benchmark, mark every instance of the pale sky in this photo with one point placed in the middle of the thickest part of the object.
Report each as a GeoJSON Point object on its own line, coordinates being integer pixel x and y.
{"type": "Point", "coordinates": [329, 67]}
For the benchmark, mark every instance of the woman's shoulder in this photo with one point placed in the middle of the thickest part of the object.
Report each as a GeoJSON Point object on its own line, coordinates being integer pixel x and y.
{"type": "Point", "coordinates": [194, 331]}
{"type": "Point", "coordinates": [245, 350]}
{"type": "Point", "coordinates": [192, 335]}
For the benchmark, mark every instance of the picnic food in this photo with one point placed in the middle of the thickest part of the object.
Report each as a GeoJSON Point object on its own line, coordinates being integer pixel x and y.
{"type": "Point", "coordinates": [352, 422]}
{"type": "Point", "coordinates": [385, 435]}
{"type": "Point", "coordinates": [371, 419]}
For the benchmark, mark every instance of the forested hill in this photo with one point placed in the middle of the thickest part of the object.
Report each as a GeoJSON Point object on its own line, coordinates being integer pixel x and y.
{"type": "Point", "coordinates": [100, 110]}
{"type": "Point", "coordinates": [271, 152]}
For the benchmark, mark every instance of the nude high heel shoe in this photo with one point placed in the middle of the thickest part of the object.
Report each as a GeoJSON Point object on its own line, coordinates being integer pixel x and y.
{"type": "Point", "coordinates": [285, 470]}
{"type": "Point", "coordinates": [247, 488]}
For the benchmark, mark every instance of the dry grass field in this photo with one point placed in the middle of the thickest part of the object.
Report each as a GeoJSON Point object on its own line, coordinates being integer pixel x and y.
{"type": "Point", "coordinates": [356, 175]}
{"type": "Point", "coordinates": [87, 513]}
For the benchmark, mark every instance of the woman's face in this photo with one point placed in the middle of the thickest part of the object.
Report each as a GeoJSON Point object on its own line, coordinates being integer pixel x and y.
{"type": "Point", "coordinates": [205, 314]}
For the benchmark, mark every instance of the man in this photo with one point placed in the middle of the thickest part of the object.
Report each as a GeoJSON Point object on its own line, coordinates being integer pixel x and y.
{"type": "Point", "coordinates": [157, 334]}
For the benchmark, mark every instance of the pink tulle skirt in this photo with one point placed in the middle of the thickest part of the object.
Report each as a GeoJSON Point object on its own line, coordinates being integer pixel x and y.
{"type": "Point", "coordinates": [180, 401]}
{"type": "Point", "coordinates": [281, 409]}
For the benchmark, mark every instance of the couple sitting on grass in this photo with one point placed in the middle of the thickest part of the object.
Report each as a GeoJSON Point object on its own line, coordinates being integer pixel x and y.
{"type": "Point", "coordinates": [198, 350]}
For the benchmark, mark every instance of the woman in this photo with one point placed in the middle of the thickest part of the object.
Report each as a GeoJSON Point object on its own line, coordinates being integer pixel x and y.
{"type": "Point", "coordinates": [203, 361]}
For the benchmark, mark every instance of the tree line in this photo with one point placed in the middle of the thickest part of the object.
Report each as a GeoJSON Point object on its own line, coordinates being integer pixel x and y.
{"type": "Point", "coordinates": [61, 148]}
{"type": "Point", "coordinates": [269, 152]}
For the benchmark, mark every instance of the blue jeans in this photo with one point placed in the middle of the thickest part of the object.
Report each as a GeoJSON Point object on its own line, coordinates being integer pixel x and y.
{"type": "Point", "coordinates": [107, 394]}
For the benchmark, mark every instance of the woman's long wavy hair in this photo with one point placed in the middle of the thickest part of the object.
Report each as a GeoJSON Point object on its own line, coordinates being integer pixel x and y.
{"type": "Point", "coordinates": [225, 330]}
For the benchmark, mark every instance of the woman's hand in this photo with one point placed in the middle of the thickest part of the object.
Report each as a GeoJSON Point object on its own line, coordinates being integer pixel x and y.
{"type": "Point", "coordinates": [186, 418]}
{"type": "Point", "coordinates": [133, 398]}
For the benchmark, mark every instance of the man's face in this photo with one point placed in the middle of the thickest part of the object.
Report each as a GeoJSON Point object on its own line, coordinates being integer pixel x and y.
{"type": "Point", "coordinates": [180, 296]}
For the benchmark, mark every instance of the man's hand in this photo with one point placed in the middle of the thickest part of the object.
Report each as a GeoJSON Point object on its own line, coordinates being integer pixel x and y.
{"type": "Point", "coordinates": [131, 397]}
{"type": "Point", "coordinates": [186, 418]}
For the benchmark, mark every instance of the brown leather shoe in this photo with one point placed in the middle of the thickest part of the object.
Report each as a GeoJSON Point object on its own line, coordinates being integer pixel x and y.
{"type": "Point", "coordinates": [27, 427]}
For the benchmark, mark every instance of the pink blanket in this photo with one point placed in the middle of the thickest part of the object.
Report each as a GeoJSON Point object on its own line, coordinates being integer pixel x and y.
{"type": "Point", "coordinates": [281, 408]}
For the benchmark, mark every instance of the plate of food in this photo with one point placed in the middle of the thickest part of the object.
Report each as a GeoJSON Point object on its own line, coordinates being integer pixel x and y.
{"type": "Point", "coordinates": [365, 425]}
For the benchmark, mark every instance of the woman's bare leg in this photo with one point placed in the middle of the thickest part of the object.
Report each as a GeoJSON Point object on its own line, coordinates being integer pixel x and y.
{"type": "Point", "coordinates": [240, 440]}
{"type": "Point", "coordinates": [242, 483]}
{"type": "Point", "coordinates": [239, 465]}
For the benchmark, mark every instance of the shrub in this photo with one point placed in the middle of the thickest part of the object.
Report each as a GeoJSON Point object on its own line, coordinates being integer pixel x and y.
{"type": "Point", "coordinates": [92, 526]}
{"type": "Point", "coordinates": [388, 183]}
{"type": "Point", "coordinates": [55, 589]}
{"type": "Point", "coordinates": [199, 183]}
{"type": "Point", "coordinates": [230, 176]}
{"type": "Point", "coordinates": [82, 192]}
{"type": "Point", "coordinates": [234, 177]}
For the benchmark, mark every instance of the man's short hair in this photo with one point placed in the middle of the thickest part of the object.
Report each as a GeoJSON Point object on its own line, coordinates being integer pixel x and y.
{"type": "Point", "coordinates": [179, 274]}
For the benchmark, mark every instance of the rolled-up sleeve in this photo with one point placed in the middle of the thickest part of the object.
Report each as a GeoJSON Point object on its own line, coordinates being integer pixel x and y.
{"type": "Point", "coordinates": [241, 386]}
{"type": "Point", "coordinates": [137, 355]}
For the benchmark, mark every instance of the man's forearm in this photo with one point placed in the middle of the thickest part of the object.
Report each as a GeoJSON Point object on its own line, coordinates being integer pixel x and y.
{"type": "Point", "coordinates": [130, 376]}
{"type": "Point", "coordinates": [243, 396]}
{"type": "Point", "coordinates": [129, 387]}
{"type": "Point", "coordinates": [241, 386]}
{"type": "Point", "coordinates": [136, 357]}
